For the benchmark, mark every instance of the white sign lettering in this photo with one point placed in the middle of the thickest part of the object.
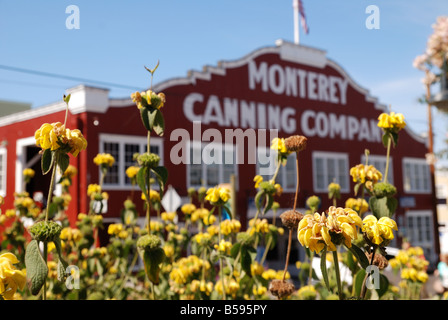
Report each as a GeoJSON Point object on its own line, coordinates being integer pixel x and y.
{"type": "Point", "coordinates": [297, 83]}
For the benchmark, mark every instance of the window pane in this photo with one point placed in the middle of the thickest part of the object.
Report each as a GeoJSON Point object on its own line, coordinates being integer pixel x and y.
{"type": "Point", "coordinates": [195, 169]}
{"type": "Point", "coordinates": [319, 173]}
{"type": "Point", "coordinates": [129, 150]}
{"type": "Point", "coordinates": [342, 169]}
{"type": "Point", "coordinates": [112, 176]}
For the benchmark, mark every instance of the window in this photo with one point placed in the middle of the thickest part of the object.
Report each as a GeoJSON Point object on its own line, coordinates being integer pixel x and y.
{"type": "Point", "coordinates": [416, 178]}
{"type": "Point", "coordinates": [3, 172]}
{"type": "Point", "coordinates": [379, 162]}
{"type": "Point", "coordinates": [266, 164]}
{"type": "Point", "coordinates": [330, 167]}
{"type": "Point", "coordinates": [419, 230]}
{"type": "Point", "coordinates": [123, 148]}
{"type": "Point", "coordinates": [210, 164]}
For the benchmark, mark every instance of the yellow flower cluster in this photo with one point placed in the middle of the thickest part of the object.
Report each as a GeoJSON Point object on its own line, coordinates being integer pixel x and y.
{"type": "Point", "coordinates": [155, 226]}
{"type": "Point", "coordinates": [137, 97]}
{"type": "Point", "coordinates": [70, 234]}
{"type": "Point", "coordinates": [223, 247]}
{"type": "Point", "coordinates": [258, 226]}
{"type": "Point", "coordinates": [11, 278]}
{"type": "Point", "coordinates": [379, 232]}
{"type": "Point", "coordinates": [93, 188]}
{"type": "Point", "coordinates": [218, 195]}
{"type": "Point", "coordinates": [359, 205]}
{"type": "Point", "coordinates": [272, 274]}
{"type": "Point", "coordinates": [154, 196]}
{"type": "Point", "coordinates": [231, 286]}
{"type": "Point", "coordinates": [278, 144]}
{"type": "Point", "coordinates": [393, 121]}
{"type": "Point", "coordinates": [104, 159]}
{"type": "Point", "coordinates": [70, 172]}
{"type": "Point", "coordinates": [412, 263]}
{"type": "Point", "coordinates": [315, 231]}
{"type": "Point", "coordinates": [188, 267]}
{"type": "Point", "coordinates": [132, 171]}
{"type": "Point", "coordinates": [54, 136]}
{"type": "Point", "coordinates": [202, 286]}
{"type": "Point", "coordinates": [188, 208]}
{"type": "Point", "coordinates": [202, 237]}
{"type": "Point", "coordinates": [230, 226]}
{"type": "Point", "coordinates": [28, 172]}
{"type": "Point", "coordinates": [367, 175]}
{"type": "Point", "coordinates": [168, 216]}
{"type": "Point", "coordinates": [117, 229]}
{"type": "Point", "coordinates": [307, 293]}
{"type": "Point", "coordinates": [199, 214]}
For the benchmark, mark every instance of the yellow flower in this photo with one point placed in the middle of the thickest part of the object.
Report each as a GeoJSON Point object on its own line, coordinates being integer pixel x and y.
{"type": "Point", "coordinates": [28, 172]}
{"type": "Point", "coordinates": [168, 216]}
{"type": "Point", "coordinates": [93, 188]}
{"type": "Point", "coordinates": [11, 279]}
{"type": "Point", "coordinates": [278, 144]}
{"type": "Point", "coordinates": [104, 159]}
{"type": "Point", "coordinates": [379, 231]}
{"type": "Point", "coordinates": [224, 247]}
{"type": "Point", "coordinates": [132, 171]}
{"type": "Point", "coordinates": [115, 228]}
{"type": "Point", "coordinates": [75, 140]}
{"type": "Point", "coordinates": [258, 179]}
{"type": "Point", "coordinates": [188, 208]}
{"type": "Point", "coordinates": [218, 195]}
{"type": "Point", "coordinates": [393, 121]}
{"type": "Point", "coordinates": [359, 205]}
{"type": "Point", "coordinates": [315, 231]}
{"type": "Point", "coordinates": [70, 172]}
{"type": "Point", "coordinates": [47, 135]}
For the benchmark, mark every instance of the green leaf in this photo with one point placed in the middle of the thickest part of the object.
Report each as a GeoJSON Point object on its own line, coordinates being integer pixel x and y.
{"type": "Point", "coordinates": [269, 202]}
{"type": "Point", "coordinates": [145, 118]}
{"type": "Point", "coordinates": [384, 285]}
{"type": "Point", "coordinates": [67, 98]}
{"type": "Point", "coordinates": [63, 161]}
{"type": "Point", "coordinates": [162, 176]}
{"type": "Point", "coordinates": [142, 179]}
{"type": "Point", "coordinates": [385, 139]}
{"type": "Point", "coordinates": [246, 260]}
{"type": "Point", "coordinates": [360, 255]}
{"type": "Point", "coordinates": [152, 259]}
{"type": "Point", "coordinates": [323, 267]}
{"type": "Point", "coordinates": [159, 123]}
{"type": "Point", "coordinates": [357, 282]}
{"type": "Point", "coordinates": [62, 264]}
{"type": "Point", "coordinates": [257, 199]}
{"type": "Point", "coordinates": [47, 161]}
{"type": "Point", "coordinates": [383, 207]}
{"type": "Point", "coordinates": [235, 249]}
{"type": "Point", "coordinates": [36, 268]}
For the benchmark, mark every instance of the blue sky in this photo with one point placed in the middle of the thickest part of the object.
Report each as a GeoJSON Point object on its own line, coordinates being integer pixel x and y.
{"type": "Point", "coordinates": [116, 38]}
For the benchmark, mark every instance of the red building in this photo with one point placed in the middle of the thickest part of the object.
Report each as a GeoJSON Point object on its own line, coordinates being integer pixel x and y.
{"type": "Point", "coordinates": [220, 114]}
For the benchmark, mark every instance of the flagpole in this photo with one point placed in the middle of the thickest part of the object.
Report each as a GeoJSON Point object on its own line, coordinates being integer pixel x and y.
{"type": "Point", "coordinates": [295, 5]}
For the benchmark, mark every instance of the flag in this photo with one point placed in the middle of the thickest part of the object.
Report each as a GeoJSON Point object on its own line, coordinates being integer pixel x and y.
{"type": "Point", "coordinates": [303, 17]}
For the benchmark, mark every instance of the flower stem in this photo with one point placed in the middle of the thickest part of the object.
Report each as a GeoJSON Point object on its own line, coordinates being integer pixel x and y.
{"type": "Point", "coordinates": [338, 275]}
{"type": "Point", "coordinates": [386, 171]}
{"type": "Point", "coordinates": [50, 191]}
{"type": "Point", "coordinates": [221, 266]}
{"type": "Point", "coordinates": [287, 254]}
{"type": "Point", "coordinates": [364, 283]}
{"type": "Point", "coordinates": [148, 182]}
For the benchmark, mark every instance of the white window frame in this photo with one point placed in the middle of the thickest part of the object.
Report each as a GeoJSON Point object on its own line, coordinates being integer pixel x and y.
{"type": "Point", "coordinates": [4, 171]}
{"type": "Point", "coordinates": [122, 140]}
{"type": "Point", "coordinates": [282, 174]}
{"type": "Point", "coordinates": [331, 155]}
{"type": "Point", "coordinates": [196, 145]}
{"type": "Point", "coordinates": [374, 159]}
{"type": "Point", "coordinates": [413, 162]}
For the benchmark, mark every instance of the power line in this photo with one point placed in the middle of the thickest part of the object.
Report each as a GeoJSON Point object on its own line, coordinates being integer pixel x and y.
{"type": "Point", "coordinates": [54, 75]}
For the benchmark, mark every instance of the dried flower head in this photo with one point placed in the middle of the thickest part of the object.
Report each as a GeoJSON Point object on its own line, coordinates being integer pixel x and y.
{"type": "Point", "coordinates": [291, 219]}
{"type": "Point", "coordinates": [281, 288]}
{"type": "Point", "coordinates": [296, 143]}
{"type": "Point", "coordinates": [379, 260]}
